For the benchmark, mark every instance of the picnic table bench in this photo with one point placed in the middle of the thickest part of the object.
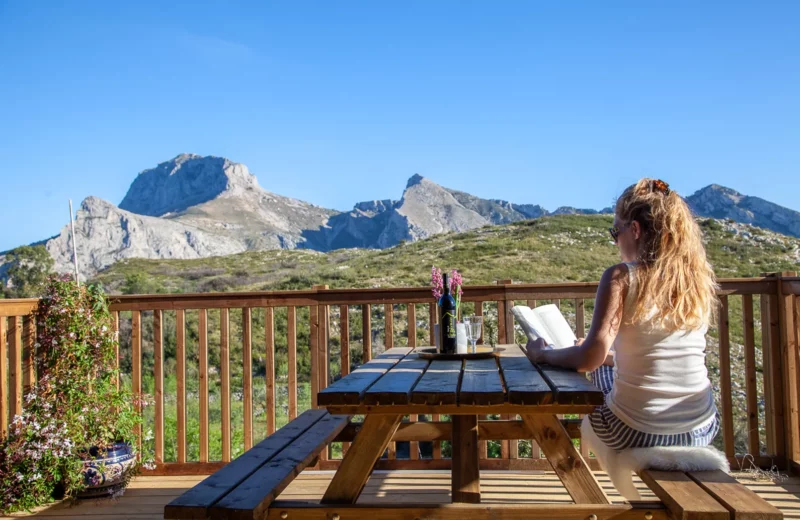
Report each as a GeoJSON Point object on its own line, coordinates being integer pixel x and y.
{"type": "Point", "coordinates": [398, 383]}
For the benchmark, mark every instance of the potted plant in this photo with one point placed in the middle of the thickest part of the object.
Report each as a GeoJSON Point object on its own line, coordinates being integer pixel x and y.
{"type": "Point", "coordinates": [79, 430]}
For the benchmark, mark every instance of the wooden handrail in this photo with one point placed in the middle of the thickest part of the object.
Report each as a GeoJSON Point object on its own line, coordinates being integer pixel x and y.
{"type": "Point", "coordinates": [499, 292]}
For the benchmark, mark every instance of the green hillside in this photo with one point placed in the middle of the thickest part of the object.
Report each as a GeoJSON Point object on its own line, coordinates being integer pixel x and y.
{"type": "Point", "coordinates": [549, 249]}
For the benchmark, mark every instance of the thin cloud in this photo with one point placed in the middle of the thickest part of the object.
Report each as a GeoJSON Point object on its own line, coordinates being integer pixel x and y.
{"type": "Point", "coordinates": [215, 48]}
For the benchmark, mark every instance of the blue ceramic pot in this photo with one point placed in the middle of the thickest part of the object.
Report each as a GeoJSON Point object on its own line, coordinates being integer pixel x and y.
{"type": "Point", "coordinates": [105, 473]}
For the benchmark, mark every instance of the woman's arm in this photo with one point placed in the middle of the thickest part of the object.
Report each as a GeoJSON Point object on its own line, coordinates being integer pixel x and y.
{"type": "Point", "coordinates": [593, 351]}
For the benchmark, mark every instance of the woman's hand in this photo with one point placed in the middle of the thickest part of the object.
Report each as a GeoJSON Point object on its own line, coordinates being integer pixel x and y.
{"type": "Point", "coordinates": [535, 350]}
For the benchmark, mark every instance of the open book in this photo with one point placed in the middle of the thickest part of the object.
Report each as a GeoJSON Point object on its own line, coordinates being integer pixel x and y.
{"type": "Point", "coordinates": [545, 322]}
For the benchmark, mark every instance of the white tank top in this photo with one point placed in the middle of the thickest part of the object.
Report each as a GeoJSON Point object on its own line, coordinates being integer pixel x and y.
{"type": "Point", "coordinates": [661, 383]}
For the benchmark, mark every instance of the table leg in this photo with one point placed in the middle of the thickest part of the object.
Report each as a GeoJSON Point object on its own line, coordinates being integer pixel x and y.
{"type": "Point", "coordinates": [360, 459]}
{"type": "Point", "coordinates": [567, 462]}
{"type": "Point", "coordinates": [466, 481]}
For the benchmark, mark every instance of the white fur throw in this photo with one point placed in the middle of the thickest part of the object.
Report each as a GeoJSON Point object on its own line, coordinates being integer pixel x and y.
{"type": "Point", "coordinates": [621, 465]}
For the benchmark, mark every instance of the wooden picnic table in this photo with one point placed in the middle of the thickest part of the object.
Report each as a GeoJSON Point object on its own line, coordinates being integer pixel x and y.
{"type": "Point", "coordinates": [399, 382]}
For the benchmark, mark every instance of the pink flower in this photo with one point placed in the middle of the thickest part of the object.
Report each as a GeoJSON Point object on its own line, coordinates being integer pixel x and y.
{"type": "Point", "coordinates": [456, 282]}
{"type": "Point", "coordinates": [437, 285]}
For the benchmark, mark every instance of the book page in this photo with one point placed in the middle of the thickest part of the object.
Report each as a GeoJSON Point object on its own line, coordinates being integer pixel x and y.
{"type": "Point", "coordinates": [531, 324]}
{"type": "Point", "coordinates": [555, 326]}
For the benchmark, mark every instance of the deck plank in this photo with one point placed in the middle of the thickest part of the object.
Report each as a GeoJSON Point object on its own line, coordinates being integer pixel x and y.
{"type": "Point", "coordinates": [481, 383]}
{"type": "Point", "coordinates": [395, 386]}
{"type": "Point", "coordinates": [439, 384]}
{"type": "Point", "coordinates": [417, 486]}
{"type": "Point", "coordinates": [525, 384]}
{"type": "Point", "coordinates": [570, 387]}
{"type": "Point", "coordinates": [351, 389]}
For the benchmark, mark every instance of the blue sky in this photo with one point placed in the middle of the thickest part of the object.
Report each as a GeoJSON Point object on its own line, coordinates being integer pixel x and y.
{"type": "Point", "coordinates": [336, 102]}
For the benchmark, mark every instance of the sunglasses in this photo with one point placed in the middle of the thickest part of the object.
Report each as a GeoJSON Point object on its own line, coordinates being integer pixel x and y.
{"type": "Point", "coordinates": [616, 230]}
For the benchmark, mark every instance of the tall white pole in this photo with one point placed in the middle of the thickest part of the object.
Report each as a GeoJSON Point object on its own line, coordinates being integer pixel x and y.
{"type": "Point", "coordinates": [74, 249]}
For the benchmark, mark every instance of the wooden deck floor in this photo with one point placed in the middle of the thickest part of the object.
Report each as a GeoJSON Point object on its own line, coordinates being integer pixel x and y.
{"type": "Point", "coordinates": [146, 496]}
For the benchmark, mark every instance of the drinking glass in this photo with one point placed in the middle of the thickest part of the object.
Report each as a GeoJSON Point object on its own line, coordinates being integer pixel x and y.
{"type": "Point", "coordinates": [473, 324]}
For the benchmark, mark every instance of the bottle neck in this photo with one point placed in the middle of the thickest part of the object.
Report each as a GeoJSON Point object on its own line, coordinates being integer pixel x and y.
{"type": "Point", "coordinates": [445, 285]}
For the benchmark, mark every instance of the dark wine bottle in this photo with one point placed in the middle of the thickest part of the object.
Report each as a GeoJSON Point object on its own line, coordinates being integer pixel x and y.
{"type": "Point", "coordinates": [447, 320]}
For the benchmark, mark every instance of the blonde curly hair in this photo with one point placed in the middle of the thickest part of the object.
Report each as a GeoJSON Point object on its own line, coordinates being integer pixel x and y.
{"type": "Point", "coordinates": [675, 277]}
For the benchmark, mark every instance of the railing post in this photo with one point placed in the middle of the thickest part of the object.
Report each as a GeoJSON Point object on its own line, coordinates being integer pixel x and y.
{"type": "Point", "coordinates": [158, 371]}
{"type": "Point", "coordinates": [505, 333]}
{"type": "Point", "coordinates": [3, 378]}
{"type": "Point", "coordinates": [136, 368]}
{"type": "Point", "coordinates": [14, 366]}
{"type": "Point", "coordinates": [726, 396]}
{"type": "Point", "coordinates": [313, 349]}
{"type": "Point", "coordinates": [247, 376]}
{"type": "Point", "coordinates": [505, 320]}
{"type": "Point", "coordinates": [202, 368]}
{"type": "Point", "coordinates": [269, 361]}
{"type": "Point", "coordinates": [180, 369]}
{"type": "Point", "coordinates": [366, 332]}
{"type": "Point", "coordinates": [319, 347]}
{"type": "Point", "coordinates": [291, 360]}
{"type": "Point", "coordinates": [773, 372]}
{"type": "Point", "coordinates": [789, 351]}
{"type": "Point", "coordinates": [319, 343]}
{"type": "Point", "coordinates": [28, 353]}
{"type": "Point", "coordinates": [225, 381]}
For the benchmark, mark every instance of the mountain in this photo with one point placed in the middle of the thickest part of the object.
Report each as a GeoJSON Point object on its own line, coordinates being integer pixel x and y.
{"type": "Point", "coordinates": [188, 207]}
{"type": "Point", "coordinates": [425, 209]}
{"type": "Point", "coordinates": [194, 207]}
{"type": "Point", "coordinates": [185, 181]}
{"type": "Point", "coordinates": [107, 234]}
{"type": "Point", "coordinates": [721, 202]}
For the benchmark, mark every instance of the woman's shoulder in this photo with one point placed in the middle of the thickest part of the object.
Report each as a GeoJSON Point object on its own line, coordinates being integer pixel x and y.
{"type": "Point", "coordinates": [618, 273]}
{"type": "Point", "coordinates": [617, 280]}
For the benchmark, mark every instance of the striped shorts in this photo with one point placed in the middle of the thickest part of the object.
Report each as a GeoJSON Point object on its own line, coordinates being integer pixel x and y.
{"type": "Point", "coordinates": [619, 436]}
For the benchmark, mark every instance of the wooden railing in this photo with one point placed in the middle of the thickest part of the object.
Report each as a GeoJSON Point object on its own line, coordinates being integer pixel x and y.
{"type": "Point", "coordinates": [240, 365]}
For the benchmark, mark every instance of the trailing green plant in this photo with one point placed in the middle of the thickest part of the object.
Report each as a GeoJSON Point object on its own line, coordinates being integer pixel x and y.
{"type": "Point", "coordinates": [75, 405]}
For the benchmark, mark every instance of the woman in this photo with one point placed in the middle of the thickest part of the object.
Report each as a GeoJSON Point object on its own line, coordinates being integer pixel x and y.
{"type": "Point", "coordinates": [652, 312]}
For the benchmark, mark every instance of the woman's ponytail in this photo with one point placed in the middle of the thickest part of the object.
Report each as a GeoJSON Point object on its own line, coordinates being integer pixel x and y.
{"type": "Point", "coordinates": [676, 278]}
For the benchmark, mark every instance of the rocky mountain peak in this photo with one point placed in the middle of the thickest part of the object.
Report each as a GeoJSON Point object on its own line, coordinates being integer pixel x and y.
{"type": "Point", "coordinates": [185, 181]}
{"type": "Point", "coordinates": [373, 207]}
{"type": "Point", "coordinates": [720, 194]}
{"type": "Point", "coordinates": [93, 205]}
{"type": "Point", "coordinates": [415, 179]}
{"type": "Point", "coordinates": [721, 202]}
